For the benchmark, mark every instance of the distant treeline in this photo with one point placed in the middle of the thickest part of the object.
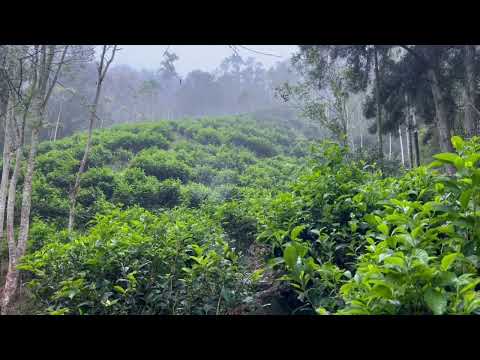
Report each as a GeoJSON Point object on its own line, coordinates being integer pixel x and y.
{"type": "Point", "coordinates": [237, 86]}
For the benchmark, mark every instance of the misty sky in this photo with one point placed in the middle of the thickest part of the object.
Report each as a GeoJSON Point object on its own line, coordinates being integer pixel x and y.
{"type": "Point", "coordinates": [191, 57]}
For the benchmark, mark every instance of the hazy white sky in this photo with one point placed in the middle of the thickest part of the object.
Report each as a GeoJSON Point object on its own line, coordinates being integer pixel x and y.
{"type": "Point", "coordinates": [203, 57]}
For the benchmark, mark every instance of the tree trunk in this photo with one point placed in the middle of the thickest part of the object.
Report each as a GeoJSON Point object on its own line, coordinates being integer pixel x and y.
{"type": "Point", "coordinates": [409, 133]}
{"type": "Point", "coordinates": [415, 139]}
{"type": "Point", "coordinates": [408, 147]}
{"type": "Point", "coordinates": [4, 119]}
{"type": "Point", "coordinates": [469, 91]}
{"type": "Point", "coordinates": [27, 195]}
{"type": "Point", "coordinates": [5, 172]}
{"type": "Point", "coordinates": [390, 146]}
{"type": "Point", "coordinates": [58, 123]}
{"type": "Point", "coordinates": [41, 89]}
{"type": "Point", "coordinates": [411, 154]}
{"type": "Point", "coordinates": [102, 71]}
{"type": "Point", "coordinates": [16, 252]}
{"type": "Point", "coordinates": [379, 112]}
{"type": "Point", "coordinates": [443, 123]}
{"type": "Point", "coordinates": [12, 275]}
{"type": "Point", "coordinates": [401, 145]}
{"type": "Point", "coordinates": [76, 186]}
{"type": "Point", "coordinates": [345, 123]}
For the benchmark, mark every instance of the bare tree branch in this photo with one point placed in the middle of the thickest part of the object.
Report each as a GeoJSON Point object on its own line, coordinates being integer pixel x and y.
{"type": "Point", "coordinates": [109, 61]}
{"type": "Point", "coordinates": [166, 50]}
{"type": "Point", "coordinates": [55, 77]}
{"type": "Point", "coordinates": [234, 49]}
{"type": "Point", "coordinates": [260, 52]}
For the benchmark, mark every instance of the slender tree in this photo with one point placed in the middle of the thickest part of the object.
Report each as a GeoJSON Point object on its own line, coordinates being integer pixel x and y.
{"type": "Point", "coordinates": [106, 58]}
{"type": "Point", "coordinates": [389, 146]}
{"type": "Point", "coordinates": [47, 61]}
{"type": "Point", "coordinates": [401, 145]}
{"type": "Point", "coordinates": [415, 138]}
{"type": "Point", "coordinates": [5, 120]}
{"type": "Point", "coordinates": [407, 136]}
{"type": "Point", "coordinates": [434, 61]}
{"type": "Point", "coordinates": [411, 154]}
{"type": "Point", "coordinates": [57, 124]}
{"type": "Point", "coordinates": [378, 104]}
{"type": "Point", "coordinates": [471, 116]}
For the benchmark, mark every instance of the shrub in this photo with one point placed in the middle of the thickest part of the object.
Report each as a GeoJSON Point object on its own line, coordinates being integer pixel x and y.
{"type": "Point", "coordinates": [122, 157]}
{"type": "Point", "coordinates": [226, 192]}
{"type": "Point", "coordinates": [203, 174]}
{"type": "Point", "coordinates": [133, 262]}
{"type": "Point", "coordinates": [388, 246]}
{"type": "Point", "coordinates": [59, 167]}
{"type": "Point", "coordinates": [169, 193]}
{"type": "Point", "coordinates": [208, 136]}
{"type": "Point", "coordinates": [135, 142]}
{"type": "Point", "coordinates": [193, 195]}
{"type": "Point", "coordinates": [102, 178]}
{"type": "Point", "coordinates": [89, 202]}
{"type": "Point", "coordinates": [226, 176]}
{"type": "Point", "coordinates": [48, 202]}
{"type": "Point", "coordinates": [133, 187]}
{"type": "Point", "coordinates": [99, 156]}
{"type": "Point", "coordinates": [228, 158]}
{"type": "Point", "coordinates": [240, 226]}
{"type": "Point", "coordinates": [42, 233]}
{"type": "Point", "coordinates": [161, 164]}
{"type": "Point", "coordinates": [261, 147]}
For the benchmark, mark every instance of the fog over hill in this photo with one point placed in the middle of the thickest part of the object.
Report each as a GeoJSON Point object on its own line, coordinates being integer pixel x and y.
{"type": "Point", "coordinates": [201, 57]}
{"type": "Point", "coordinates": [169, 82]}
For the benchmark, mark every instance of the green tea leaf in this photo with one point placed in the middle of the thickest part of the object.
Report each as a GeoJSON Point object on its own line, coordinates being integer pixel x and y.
{"type": "Point", "coordinates": [296, 231]}
{"type": "Point", "coordinates": [465, 198]}
{"type": "Point", "coordinates": [449, 158]}
{"type": "Point", "coordinates": [447, 261]}
{"type": "Point", "coordinates": [382, 291]}
{"type": "Point", "coordinates": [119, 289]}
{"type": "Point", "coordinates": [436, 301]}
{"type": "Point", "coordinates": [435, 164]}
{"type": "Point", "coordinates": [395, 260]}
{"type": "Point", "coordinates": [321, 311]}
{"type": "Point", "coordinates": [470, 286]}
{"type": "Point", "coordinates": [383, 228]}
{"type": "Point", "coordinates": [275, 261]}
{"type": "Point", "coordinates": [458, 143]}
{"type": "Point", "coordinates": [459, 163]}
{"type": "Point", "coordinates": [301, 249]}
{"type": "Point", "coordinates": [290, 256]}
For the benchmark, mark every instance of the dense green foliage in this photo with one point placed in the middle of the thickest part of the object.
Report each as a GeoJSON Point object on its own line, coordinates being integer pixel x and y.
{"type": "Point", "coordinates": [354, 242]}
{"type": "Point", "coordinates": [164, 216]}
{"type": "Point", "coordinates": [135, 262]}
{"type": "Point", "coordinates": [169, 213]}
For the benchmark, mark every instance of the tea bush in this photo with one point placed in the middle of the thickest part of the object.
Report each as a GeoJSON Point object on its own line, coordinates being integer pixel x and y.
{"type": "Point", "coordinates": [133, 262]}
{"type": "Point", "coordinates": [261, 147]}
{"type": "Point", "coordinates": [161, 164]}
{"type": "Point", "coordinates": [171, 215]}
{"type": "Point", "coordinates": [405, 245]}
{"type": "Point", "coordinates": [194, 195]}
{"type": "Point", "coordinates": [240, 226]}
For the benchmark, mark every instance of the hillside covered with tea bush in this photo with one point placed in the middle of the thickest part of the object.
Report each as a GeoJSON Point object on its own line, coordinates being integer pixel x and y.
{"type": "Point", "coordinates": [335, 180]}
{"type": "Point", "coordinates": [165, 212]}
{"type": "Point", "coordinates": [239, 215]}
